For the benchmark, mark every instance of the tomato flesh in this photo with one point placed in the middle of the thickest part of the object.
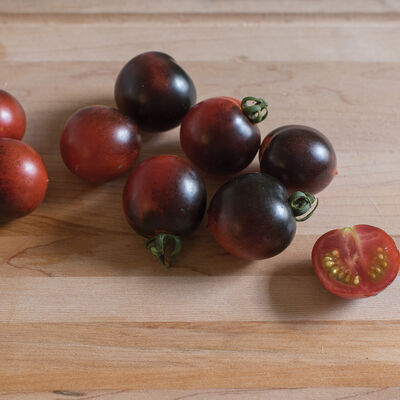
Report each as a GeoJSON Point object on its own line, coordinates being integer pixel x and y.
{"type": "Point", "coordinates": [356, 262]}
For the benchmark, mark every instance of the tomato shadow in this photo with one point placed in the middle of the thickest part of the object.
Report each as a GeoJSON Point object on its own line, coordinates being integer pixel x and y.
{"type": "Point", "coordinates": [300, 296]}
{"type": "Point", "coordinates": [6, 221]}
{"type": "Point", "coordinates": [156, 143]}
{"type": "Point", "coordinates": [202, 255]}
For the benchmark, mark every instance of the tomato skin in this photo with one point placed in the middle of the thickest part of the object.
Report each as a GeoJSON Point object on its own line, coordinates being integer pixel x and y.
{"type": "Point", "coordinates": [164, 194]}
{"type": "Point", "coordinates": [358, 247]}
{"type": "Point", "coordinates": [218, 137]}
{"type": "Point", "coordinates": [301, 157]}
{"type": "Point", "coordinates": [249, 216]}
{"type": "Point", "coordinates": [23, 178]}
{"type": "Point", "coordinates": [99, 143]}
{"type": "Point", "coordinates": [12, 117]}
{"type": "Point", "coordinates": [155, 91]}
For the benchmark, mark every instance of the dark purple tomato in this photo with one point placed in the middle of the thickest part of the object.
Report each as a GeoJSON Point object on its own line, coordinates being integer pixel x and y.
{"type": "Point", "coordinates": [251, 217]}
{"type": "Point", "coordinates": [301, 157]}
{"type": "Point", "coordinates": [12, 117]}
{"type": "Point", "coordinates": [155, 91]}
{"type": "Point", "coordinates": [23, 178]}
{"type": "Point", "coordinates": [99, 143]}
{"type": "Point", "coordinates": [164, 199]}
{"type": "Point", "coordinates": [220, 137]}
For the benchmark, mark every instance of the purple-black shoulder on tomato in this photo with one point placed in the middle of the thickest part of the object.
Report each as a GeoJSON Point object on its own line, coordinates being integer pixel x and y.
{"type": "Point", "coordinates": [302, 158]}
{"type": "Point", "coordinates": [220, 136]}
{"type": "Point", "coordinates": [251, 216]}
{"type": "Point", "coordinates": [155, 91]}
{"type": "Point", "coordinates": [164, 199]}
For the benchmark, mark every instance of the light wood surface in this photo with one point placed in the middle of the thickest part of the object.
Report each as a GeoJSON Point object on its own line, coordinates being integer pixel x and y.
{"type": "Point", "coordinates": [86, 312]}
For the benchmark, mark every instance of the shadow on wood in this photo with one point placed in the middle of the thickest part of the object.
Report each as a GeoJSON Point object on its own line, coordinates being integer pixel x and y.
{"type": "Point", "coordinates": [300, 297]}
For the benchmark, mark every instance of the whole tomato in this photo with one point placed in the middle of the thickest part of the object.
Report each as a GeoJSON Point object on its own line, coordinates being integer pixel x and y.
{"type": "Point", "coordinates": [301, 157]}
{"type": "Point", "coordinates": [23, 178]}
{"type": "Point", "coordinates": [220, 135]}
{"type": "Point", "coordinates": [12, 117]}
{"type": "Point", "coordinates": [164, 199]}
{"type": "Point", "coordinates": [252, 217]}
{"type": "Point", "coordinates": [99, 143]}
{"type": "Point", "coordinates": [155, 91]}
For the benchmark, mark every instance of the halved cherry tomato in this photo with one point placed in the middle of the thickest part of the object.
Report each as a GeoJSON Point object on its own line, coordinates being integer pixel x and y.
{"type": "Point", "coordinates": [356, 262]}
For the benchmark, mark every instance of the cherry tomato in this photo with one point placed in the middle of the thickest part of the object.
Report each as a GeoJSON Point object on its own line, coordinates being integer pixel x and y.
{"type": "Point", "coordinates": [251, 217]}
{"type": "Point", "coordinates": [99, 143]}
{"type": "Point", "coordinates": [301, 157]}
{"type": "Point", "coordinates": [356, 262]}
{"type": "Point", "coordinates": [12, 117]}
{"type": "Point", "coordinates": [23, 178]}
{"type": "Point", "coordinates": [219, 135]}
{"type": "Point", "coordinates": [155, 91]}
{"type": "Point", "coordinates": [164, 199]}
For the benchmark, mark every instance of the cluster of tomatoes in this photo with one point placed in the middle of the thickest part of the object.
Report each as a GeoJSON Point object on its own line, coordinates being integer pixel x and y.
{"type": "Point", "coordinates": [252, 216]}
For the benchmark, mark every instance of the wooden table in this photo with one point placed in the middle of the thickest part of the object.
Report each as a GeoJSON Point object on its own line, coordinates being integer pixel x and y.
{"type": "Point", "coordinates": [86, 312]}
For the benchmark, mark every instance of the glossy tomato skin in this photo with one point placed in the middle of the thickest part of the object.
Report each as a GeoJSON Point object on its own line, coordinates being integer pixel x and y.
{"type": "Point", "coordinates": [249, 216]}
{"type": "Point", "coordinates": [23, 178]}
{"type": "Point", "coordinates": [99, 143]}
{"type": "Point", "coordinates": [155, 91]}
{"type": "Point", "coordinates": [301, 157]}
{"type": "Point", "coordinates": [218, 138]}
{"type": "Point", "coordinates": [12, 117]}
{"type": "Point", "coordinates": [356, 262]}
{"type": "Point", "coordinates": [164, 194]}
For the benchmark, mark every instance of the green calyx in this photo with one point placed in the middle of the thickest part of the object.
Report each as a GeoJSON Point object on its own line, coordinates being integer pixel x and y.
{"type": "Point", "coordinates": [255, 109]}
{"type": "Point", "coordinates": [165, 247]}
{"type": "Point", "coordinates": [301, 203]}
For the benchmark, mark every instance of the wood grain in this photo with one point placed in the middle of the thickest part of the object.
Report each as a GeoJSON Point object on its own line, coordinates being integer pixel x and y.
{"type": "Point", "coordinates": [194, 6]}
{"type": "Point", "coordinates": [249, 394]}
{"type": "Point", "coordinates": [187, 356]}
{"type": "Point", "coordinates": [86, 313]}
{"type": "Point", "coordinates": [73, 39]}
{"type": "Point", "coordinates": [198, 298]}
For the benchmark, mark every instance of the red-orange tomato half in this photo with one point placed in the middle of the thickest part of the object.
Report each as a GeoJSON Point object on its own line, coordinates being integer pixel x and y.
{"type": "Point", "coordinates": [356, 262]}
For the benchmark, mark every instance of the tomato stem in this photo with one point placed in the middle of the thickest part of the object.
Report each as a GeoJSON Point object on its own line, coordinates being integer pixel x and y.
{"type": "Point", "coordinates": [255, 109]}
{"type": "Point", "coordinates": [165, 247]}
{"type": "Point", "coordinates": [301, 203]}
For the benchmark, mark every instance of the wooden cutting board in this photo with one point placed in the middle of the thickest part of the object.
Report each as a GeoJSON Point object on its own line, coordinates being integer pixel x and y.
{"type": "Point", "coordinates": [86, 312]}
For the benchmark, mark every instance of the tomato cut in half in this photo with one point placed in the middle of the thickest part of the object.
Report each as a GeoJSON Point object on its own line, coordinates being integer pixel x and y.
{"type": "Point", "coordinates": [355, 262]}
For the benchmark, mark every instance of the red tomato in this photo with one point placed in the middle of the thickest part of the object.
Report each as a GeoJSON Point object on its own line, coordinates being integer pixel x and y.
{"type": "Point", "coordinates": [99, 143]}
{"type": "Point", "coordinates": [356, 262]}
{"type": "Point", "coordinates": [23, 178]}
{"type": "Point", "coordinates": [12, 117]}
{"type": "Point", "coordinates": [164, 199]}
{"type": "Point", "coordinates": [220, 135]}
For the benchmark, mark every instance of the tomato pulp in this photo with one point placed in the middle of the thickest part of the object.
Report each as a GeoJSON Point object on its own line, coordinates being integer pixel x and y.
{"type": "Point", "coordinates": [354, 262]}
{"type": "Point", "coordinates": [12, 117]}
{"type": "Point", "coordinates": [23, 178]}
